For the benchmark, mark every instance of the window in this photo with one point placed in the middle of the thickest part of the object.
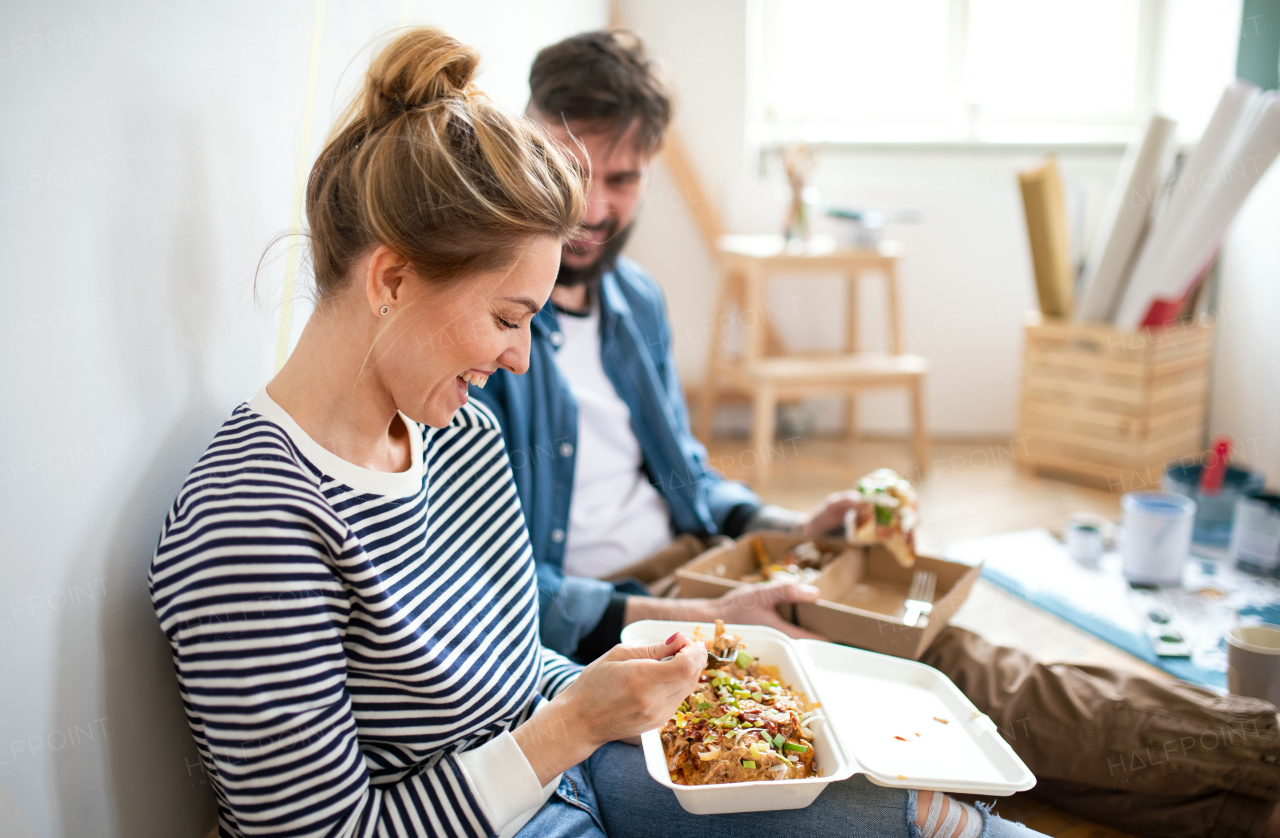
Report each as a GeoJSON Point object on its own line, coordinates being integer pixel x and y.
{"type": "Point", "coordinates": [872, 62]}
{"type": "Point", "coordinates": [986, 70]}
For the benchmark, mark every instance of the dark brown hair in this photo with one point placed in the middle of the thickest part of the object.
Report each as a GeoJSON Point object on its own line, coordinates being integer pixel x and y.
{"type": "Point", "coordinates": [423, 162]}
{"type": "Point", "coordinates": [605, 80]}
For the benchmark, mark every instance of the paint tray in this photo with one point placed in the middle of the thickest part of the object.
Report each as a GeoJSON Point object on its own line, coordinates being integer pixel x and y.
{"type": "Point", "coordinates": [901, 723]}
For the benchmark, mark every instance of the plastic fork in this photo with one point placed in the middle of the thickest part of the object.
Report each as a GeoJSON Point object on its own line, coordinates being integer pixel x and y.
{"type": "Point", "coordinates": [920, 597]}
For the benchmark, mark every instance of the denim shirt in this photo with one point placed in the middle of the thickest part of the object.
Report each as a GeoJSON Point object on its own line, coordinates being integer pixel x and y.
{"type": "Point", "coordinates": [539, 419]}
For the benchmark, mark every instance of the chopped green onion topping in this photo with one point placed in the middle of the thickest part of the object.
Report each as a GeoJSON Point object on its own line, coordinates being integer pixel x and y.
{"type": "Point", "coordinates": [779, 740]}
{"type": "Point", "coordinates": [790, 746]}
{"type": "Point", "coordinates": [746, 763]}
{"type": "Point", "coordinates": [703, 705]}
{"type": "Point", "coordinates": [758, 696]}
{"type": "Point", "coordinates": [743, 660]}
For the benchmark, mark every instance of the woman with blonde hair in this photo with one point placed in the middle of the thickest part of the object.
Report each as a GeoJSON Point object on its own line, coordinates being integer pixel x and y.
{"type": "Point", "coordinates": [345, 577]}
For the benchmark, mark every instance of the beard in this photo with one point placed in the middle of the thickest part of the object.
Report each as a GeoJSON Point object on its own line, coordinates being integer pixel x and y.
{"type": "Point", "coordinates": [615, 240]}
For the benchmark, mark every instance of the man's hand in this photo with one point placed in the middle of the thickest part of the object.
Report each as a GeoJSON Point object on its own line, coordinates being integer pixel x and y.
{"type": "Point", "coordinates": [751, 605]}
{"type": "Point", "coordinates": [757, 605]}
{"type": "Point", "coordinates": [828, 516]}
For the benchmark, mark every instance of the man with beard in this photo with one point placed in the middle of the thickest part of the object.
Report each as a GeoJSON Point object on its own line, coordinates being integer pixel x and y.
{"type": "Point", "coordinates": [611, 481]}
{"type": "Point", "coordinates": [607, 469]}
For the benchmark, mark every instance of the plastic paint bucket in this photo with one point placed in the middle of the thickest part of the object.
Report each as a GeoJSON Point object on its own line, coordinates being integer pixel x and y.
{"type": "Point", "coordinates": [1255, 539]}
{"type": "Point", "coordinates": [1156, 537]}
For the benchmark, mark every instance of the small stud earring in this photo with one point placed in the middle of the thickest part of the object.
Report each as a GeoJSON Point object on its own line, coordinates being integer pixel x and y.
{"type": "Point", "coordinates": [385, 310]}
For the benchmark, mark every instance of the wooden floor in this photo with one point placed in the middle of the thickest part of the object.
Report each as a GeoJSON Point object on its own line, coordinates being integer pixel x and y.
{"type": "Point", "coordinates": [971, 489]}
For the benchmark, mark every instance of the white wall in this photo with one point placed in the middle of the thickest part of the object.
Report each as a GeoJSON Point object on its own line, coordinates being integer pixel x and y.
{"type": "Point", "coordinates": [149, 156]}
{"type": "Point", "coordinates": [1246, 386]}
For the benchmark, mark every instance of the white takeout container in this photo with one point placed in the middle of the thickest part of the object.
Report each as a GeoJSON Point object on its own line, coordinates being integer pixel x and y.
{"type": "Point", "coordinates": [867, 700]}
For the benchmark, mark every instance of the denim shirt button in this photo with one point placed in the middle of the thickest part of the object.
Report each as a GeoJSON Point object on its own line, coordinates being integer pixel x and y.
{"type": "Point", "coordinates": [566, 449]}
{"type": "Point", "coordinates": [557, 338]}
{"type": "Point", "coordinates": [557, 536]}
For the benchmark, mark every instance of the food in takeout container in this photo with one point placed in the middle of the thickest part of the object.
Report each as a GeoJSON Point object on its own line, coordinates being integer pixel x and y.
{"type": "Point", "coordinates": [744, 723]}
{"type": "Point", "coordinates": [862, 591]}
{"type": "Point", "coordinates": [901, 723]}
{"type": "Point", "coordinates": [802, 563]}
{"type": "Point", "coordinates": [886, 514]}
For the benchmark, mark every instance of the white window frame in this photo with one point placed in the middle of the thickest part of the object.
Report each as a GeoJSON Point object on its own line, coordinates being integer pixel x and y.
{"type": "Point", "coordinates": [965, 127]}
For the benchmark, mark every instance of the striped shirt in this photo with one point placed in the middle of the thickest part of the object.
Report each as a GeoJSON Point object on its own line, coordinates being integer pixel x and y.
{"type": "Point", "coordinates": [354, 647]}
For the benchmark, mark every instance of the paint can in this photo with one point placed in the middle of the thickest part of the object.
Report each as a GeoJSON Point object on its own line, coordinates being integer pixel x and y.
{"type": "Point", "coordinates": [1255, 538]}
{"type": "Point", "coordinates": [1156, 537]}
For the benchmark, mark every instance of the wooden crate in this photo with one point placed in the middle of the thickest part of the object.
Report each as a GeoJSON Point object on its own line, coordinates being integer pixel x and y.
{"type": "Point", "coordinates": [1112, 407]}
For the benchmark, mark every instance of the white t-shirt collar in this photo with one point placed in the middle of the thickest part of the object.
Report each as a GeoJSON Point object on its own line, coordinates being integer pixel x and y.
{"type": "Point", "coordinates": [389, 484]}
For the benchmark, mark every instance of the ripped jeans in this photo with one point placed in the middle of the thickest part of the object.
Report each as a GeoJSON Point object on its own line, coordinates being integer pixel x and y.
{"type": "Point", "coordinates": [612, 794]}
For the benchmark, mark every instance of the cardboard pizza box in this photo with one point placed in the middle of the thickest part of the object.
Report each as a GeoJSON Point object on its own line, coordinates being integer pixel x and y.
{"type": "Point", "coordinates": [863, 591]}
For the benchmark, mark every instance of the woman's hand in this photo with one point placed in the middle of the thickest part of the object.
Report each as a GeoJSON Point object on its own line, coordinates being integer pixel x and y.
{"type": "Point", "coordinates": [629, 690]}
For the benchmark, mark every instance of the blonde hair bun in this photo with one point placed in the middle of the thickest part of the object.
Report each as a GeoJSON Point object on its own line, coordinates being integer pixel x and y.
{"type": "Point", "coordinates": [423, 162]}
{"type": "Point", "coordinates": [419, 68]}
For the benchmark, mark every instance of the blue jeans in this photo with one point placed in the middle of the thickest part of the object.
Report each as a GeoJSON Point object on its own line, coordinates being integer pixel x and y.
{"type": "Point", "coordinates": [612, 795]}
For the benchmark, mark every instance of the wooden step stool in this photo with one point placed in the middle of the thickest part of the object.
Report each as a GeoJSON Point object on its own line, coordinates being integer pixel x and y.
{"type": "Point", "coordinates": [768, 375]}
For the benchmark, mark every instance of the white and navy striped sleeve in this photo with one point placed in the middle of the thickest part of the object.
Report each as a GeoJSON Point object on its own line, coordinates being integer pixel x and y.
{"type": "Point", "coordinates": [558, 672]}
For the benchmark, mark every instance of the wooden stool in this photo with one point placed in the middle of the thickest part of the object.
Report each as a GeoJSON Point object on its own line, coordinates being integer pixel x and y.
{"type": "Point", "coordinates": [767, 374]}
